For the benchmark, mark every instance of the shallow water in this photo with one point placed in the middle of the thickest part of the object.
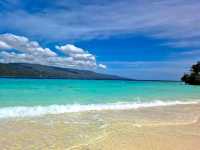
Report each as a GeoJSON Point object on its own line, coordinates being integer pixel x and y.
{"type": "Point", "coordinates": [24, 96]}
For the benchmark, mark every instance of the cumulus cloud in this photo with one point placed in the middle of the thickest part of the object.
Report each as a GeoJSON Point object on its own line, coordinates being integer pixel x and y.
{"type": "Point", "coordinates": [76, 53]}
{"type": "Point", "coordinates": [17, 49]}
{"type": "Point", "coordinates": [3, 45]}
{"type": "Point", "coordinates": [69, 48]}
{"type": "Point", "coordinates": [23, 45]}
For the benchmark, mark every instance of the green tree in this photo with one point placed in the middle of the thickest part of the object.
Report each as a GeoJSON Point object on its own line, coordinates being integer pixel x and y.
{"type": "Point", "coordinates": [194, 76]}
{"type": "Point", "coordinates": [196, 68]}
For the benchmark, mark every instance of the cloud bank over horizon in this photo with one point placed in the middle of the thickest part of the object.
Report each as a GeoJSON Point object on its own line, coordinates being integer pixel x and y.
{"type": "Point", "coordinates": [19, 49]}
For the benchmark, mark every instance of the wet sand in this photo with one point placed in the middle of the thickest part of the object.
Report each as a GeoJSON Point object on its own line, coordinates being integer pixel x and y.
{"type": "Point", "coordinates": [154, 128]}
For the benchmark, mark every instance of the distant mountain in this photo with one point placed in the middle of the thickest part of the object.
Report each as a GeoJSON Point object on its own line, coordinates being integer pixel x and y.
{"type": "Point", "coordinates": [25, 70]}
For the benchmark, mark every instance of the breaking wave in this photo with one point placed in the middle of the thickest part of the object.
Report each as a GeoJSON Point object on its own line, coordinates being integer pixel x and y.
{"type": "Point", "coordinates": [31, 111]}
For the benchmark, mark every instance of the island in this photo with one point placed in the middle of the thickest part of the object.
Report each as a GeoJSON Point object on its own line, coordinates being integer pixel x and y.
{"type": "Point", "coordinates": [193, 78]}
{"type": "Point", "coordinates": [26, 70]}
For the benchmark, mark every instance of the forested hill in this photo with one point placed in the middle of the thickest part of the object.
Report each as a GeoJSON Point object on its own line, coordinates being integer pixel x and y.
{"type": "Point", "coordinates": [25, 70]}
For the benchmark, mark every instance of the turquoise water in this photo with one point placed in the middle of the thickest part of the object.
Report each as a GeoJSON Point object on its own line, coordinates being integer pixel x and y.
{"type": "Point", "coordinates": [30, 93]}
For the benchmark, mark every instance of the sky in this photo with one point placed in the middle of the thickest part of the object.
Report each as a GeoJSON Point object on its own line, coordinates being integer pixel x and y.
{"type": "Point", "coordinates": [139, 39]}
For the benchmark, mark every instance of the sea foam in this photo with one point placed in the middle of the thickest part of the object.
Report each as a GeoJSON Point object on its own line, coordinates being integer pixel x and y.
{"type": "Point", "coordinates": [31, 111]}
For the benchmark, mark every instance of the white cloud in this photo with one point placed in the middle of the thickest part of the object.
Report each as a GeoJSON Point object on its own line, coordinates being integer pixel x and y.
{"type": "Point", "coordinates": [78, 54]}
{"type": "Point", "coordinates": [15, 48]}
{"type": "Point", "coordinates": [102, 66]}
{"type": "Point", "coordinates": [12, 57]}
{"type": "Point", "coordinates": [3, 45]}
{"type": "Point", "coordinates": [173, 20]}
{"type": "Point", "coordinates": [23, 45]}
{"type": "Point", "coordinates": [70, 49]}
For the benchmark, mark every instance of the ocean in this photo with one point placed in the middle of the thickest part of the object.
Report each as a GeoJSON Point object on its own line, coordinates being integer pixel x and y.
{"type": "Point", "coordinates": [36, 97]}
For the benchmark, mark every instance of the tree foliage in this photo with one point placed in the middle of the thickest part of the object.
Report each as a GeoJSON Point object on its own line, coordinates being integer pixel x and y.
{"type": "Point", "coordinates": [194, 76]}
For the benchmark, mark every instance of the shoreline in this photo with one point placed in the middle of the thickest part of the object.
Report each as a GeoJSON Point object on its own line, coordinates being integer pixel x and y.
{"type": "Point", "coordinates": [37, 111]}
{"type": "Point", "coordinates": [160, 128]}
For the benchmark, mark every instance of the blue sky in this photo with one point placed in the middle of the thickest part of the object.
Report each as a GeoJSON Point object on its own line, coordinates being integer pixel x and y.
{"type": "Point", "coordinates": [140, 39]}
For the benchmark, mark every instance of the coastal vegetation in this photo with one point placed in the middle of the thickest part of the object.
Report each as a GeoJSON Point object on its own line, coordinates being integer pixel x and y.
{"type": "Point", "coordinates": [193, 77]}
